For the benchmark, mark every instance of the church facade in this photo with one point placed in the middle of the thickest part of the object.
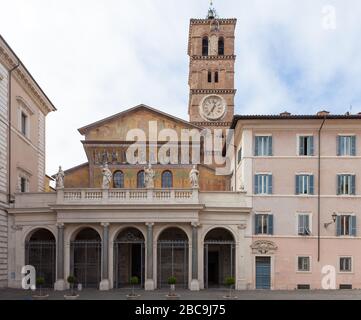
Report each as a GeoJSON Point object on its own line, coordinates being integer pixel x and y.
{"type": "Point", "coordinates": [285, 208]}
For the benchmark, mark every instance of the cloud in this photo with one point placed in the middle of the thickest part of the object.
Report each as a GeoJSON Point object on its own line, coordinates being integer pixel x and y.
{"type": "Point", "coordinates": [97, 58]}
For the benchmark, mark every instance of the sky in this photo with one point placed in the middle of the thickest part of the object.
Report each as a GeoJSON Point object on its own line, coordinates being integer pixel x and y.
{"type": "Point", "coordinates": [96, 58]}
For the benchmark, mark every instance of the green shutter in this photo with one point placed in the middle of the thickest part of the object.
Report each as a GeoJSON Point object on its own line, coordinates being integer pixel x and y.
{"type": "Point", "coordinates": [338, 226]}
{"type": "Point", "coordinates": [311, 146]}
{"type": "Point", "coordinates": [353, 228]}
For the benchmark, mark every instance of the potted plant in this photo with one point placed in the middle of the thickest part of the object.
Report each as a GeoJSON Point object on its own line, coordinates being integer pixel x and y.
{"type": "Point", "coordinates": [40, 281]}
{"type": "Point", "coordinates": [172, 282]}
{"type": "Point", "coordinates": [230, 282]}
{"type": "Point", "coordinates": [133, 281]}
{"type": "Point", "coordinates": [71, 280]}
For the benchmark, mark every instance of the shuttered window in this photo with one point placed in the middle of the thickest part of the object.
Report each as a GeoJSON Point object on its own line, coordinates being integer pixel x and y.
{"type": "Point", "coordinates": [264, 224]}
{"type": "Point", "coordinates": [263, 184]}
{"type": "Point", "coordinates": [346, 184]}
{"type": "Point", "coordinates": [305, 184]}
{"type": "Point", "coordinates": [346, 225]}
{"type": "Point", "coordinates": [346, 145]}
{"type": "Point", "coordinates": [263, 146]}
{"type": "Point", "coordinates": [306, 147]}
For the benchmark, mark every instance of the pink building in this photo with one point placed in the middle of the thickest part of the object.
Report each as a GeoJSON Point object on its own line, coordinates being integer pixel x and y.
{"type": "Point", "coordinates": [303, 174]}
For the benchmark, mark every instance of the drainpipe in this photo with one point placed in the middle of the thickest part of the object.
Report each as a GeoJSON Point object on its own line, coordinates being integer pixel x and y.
{"type": "Point", "coordinates": [319, 192]}
{"type": "Point", "coordinates": [9, 130]}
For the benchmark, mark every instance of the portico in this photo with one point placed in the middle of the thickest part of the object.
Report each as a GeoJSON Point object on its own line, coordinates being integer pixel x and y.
{"type": "Point", "coordinates": [104, 244]}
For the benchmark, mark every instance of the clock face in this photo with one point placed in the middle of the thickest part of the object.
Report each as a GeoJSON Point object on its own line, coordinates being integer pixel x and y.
{"type": "Point", "coordinates": [213, 107]}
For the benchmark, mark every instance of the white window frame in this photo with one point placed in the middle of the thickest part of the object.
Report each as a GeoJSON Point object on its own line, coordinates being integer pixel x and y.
{"type": "Point", "coordinates": [343, 217]}
{"type": "Point", "coordinates": [310, 263]}
{"type": "Point", "coordinates": [263, 145]}
{"type": "Point", "coordinates": [348, 175]}
{"type": "Point", "coordinates": [339, 264]}
{"type": "Point", "coordinates": [264, 222]}
{"type": "Point", "coordinates": [310, 216]}
{"type": "Point", "coordinates": [347, 154]}
{"type": "Point", "coordinates": [264, 179]}
{"type": "Point", "coordinates": [298, 136]}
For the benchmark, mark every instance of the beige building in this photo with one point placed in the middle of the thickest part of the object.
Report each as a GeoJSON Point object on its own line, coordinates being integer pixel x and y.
{"type": "Point", "coordinates": [23, 108]}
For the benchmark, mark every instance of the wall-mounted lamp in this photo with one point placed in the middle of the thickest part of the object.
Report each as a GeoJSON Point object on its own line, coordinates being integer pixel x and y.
{"type": "Point", "coordinates": [334, 216]}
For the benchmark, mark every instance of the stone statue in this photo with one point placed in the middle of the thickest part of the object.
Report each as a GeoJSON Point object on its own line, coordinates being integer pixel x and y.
{"type": "Point", "coordinates": [59, 179]}
{"type": "Point", "coordinates": [194, 177]}
{"type": "Point", "coordinates": [149, 177]}
{"type": "Point", "coordinates": [107, 177]}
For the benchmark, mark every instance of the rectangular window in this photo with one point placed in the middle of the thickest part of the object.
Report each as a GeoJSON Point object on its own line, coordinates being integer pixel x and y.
{"type": "Point", "coordinates": [304, 225]}
{"type": "Point", "coordinates": [306, 146]}
{"type": "Point", "coordinates": [345, 264]}
{"type": "Point", "coordinates": [263, 184]}
{"type": "Point", "coordinates": [24, 124]}
{"type": "Point", "coordinates": [304, 264]}
{"type": "Point", "coordinates": [305, 184]}
{"type": "Point", "coordinates": [264, 224]}
{"type": "Point", "coordinates": [263, 146]}
{"type": "Point", "coordinates": [346, 145]}
{"type": "Point", "coordinates": [346, 225]}
{"type": "Point", "coordinates": [209, 76]}
{"type": "Point", "coordinates": [346, 184]}
{"type": "Point", "coordinates": [23, 184]}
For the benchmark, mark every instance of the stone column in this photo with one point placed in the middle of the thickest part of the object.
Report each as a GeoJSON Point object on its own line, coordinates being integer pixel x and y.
{"type": "Point", "coordinates": [105, 284]}
{"type": "Point", "coordinates": [149, 281]}
{"type": "Point", "coordinates": [195, 280]}
{"type": "Point", "coordinates": [60, 284]}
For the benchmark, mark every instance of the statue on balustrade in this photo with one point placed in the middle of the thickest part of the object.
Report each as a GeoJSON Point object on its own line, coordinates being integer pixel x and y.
{"type": "Point", "coordinates": [149, 177]}
{"type": "Point", "coordinates": [59, 179]}
{"type": "Point", "coordinates": [107, 177]}
{"type": "Point", "coordinates": [194, 177]}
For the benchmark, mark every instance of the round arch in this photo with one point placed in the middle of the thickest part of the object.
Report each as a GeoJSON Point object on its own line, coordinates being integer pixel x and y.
{"type": "Point", "coordinates": [74, 233]}
{"type": "Point", "coordinates": [33, 230]}
{"type": "Point", "coordinates": [172, 256]}
{"type": "Point", "coordinates": [40, 252]}
{"type": "Point", "coordinates": [85, 253]}
{"type": "Point", "coordinates": [219, 256]}
{"type": "Point", "coordinates": [129, 256]}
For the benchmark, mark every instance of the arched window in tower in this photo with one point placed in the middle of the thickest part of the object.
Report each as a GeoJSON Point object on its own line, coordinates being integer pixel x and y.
{"type": "Point", "coordinates": [118, 179]}
{"type": "Point", "coordinates": [221, 46]}
{"type": "Point", "coordinates": [216, 77]}
{"type": "Point", "coordinates": [209, 76]}
{"type": "Point", "coordinates": [140, 180]}
{"type": "Point", "coordinates": [205, 46]}
{"type": "Point", "coordinates": [167, 179]}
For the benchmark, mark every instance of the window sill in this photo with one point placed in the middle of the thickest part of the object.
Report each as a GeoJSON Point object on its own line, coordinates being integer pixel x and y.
{"type": "Point", "coordinates": [303, 272]}
{"type": "Point", "coordinates": [346, 272]}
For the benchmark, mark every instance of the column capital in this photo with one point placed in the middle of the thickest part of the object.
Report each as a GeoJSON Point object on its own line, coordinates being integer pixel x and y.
{"type": "Point", "coordinates": [60, 225]}
{"type": "Point", "coordinates": [149, 224]}
{"type": "Point", "coordinates": [195, 224]}
{"type": "Point", "coordinates": [105, 224]}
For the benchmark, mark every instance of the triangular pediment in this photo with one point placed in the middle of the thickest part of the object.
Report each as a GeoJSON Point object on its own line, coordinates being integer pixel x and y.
{"type": "Point", "coordinates": [117, 126]}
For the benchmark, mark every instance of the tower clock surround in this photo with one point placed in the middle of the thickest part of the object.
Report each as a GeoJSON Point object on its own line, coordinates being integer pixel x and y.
{"type": "Point", "coordinates": [213, 107]}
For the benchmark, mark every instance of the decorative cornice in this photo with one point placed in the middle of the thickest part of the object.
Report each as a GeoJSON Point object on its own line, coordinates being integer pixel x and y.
{"type": "Point", "coordinates": [213, 124]}
{"type": "Point", "coordinates": [217, 57]}
{"type": "Point", "coordinates": [208, 21]}
{"type": "Point", "coordinates": [216, 91]}
{"type": "Point", "coordinates": [10, 60]}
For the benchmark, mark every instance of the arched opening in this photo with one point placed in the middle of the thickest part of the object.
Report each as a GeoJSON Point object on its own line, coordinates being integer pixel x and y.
{"type": "Point", "coordinates": [118, 180]}
{"type": "Point", "coordinates": [221, 46]}
{"type": "Point", "coordinates": [205, 46]}
{"type": "Point", "coordinates": [167, 179]}
{"type": "Point", "coordinates": [219, 257]}
{"type": "Point", "coordinates": [129, 255]}
{"type": "Point", "coordinates": [172, 257]}
{"type": "Point", "coordinates": [140, 180]}
{"type": "Point", "coordinates": [40, 252]}
{"type": "Point", "coordinates": [216, 77]}
{"type": "Point", "coordinates": [86, 258]}
{"type": "Point", "coordinates": [209, 76]}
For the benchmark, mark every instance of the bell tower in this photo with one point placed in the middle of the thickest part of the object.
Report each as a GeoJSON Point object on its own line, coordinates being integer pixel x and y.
{"type": "Point", "coordinates": [211, 70]}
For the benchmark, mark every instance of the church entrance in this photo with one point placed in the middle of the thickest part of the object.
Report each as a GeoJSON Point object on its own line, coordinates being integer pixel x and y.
{"type": "Point", "coordinates": [129, 255]}
{"type": "Point", "coordinates": [86, 258]}
{"type": "Point", "coordinates": [40, 252]}
{"type": "Point", "coordinates": [172, 257]}
{"type": "Point", "coordinates": [219, 257]}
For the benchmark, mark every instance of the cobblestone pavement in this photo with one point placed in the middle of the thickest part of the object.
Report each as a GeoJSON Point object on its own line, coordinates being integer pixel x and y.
{"type": "Point", "coordinates": [89, 294]}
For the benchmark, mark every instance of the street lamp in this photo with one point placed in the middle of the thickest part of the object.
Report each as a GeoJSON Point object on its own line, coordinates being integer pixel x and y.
{"type": "Point", "coordinates": [334, 216]}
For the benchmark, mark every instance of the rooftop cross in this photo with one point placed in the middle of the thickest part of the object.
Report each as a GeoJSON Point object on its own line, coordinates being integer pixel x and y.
{"type": "Point", "coordinates": [212, 14]}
